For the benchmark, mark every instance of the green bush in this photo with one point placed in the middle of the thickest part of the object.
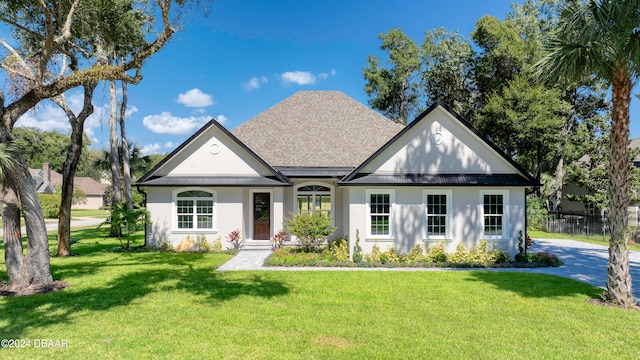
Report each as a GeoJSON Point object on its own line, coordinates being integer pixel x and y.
{"type": "Point", "coordinates": [340, 249]}
{"type": "Point", "coordinates": [216, 246]}
{"type": "Point", "coordinates": [482, 254]}
{"type": "Point", "coordinates": [336, 254]}
{"type": "Point", "coordinates": [165, 246]}
{"type": "Point", "coordinates": [522, 258]}
{"type": "Point", "coordinates": [375, 254]}
{"type": "Point", "coordinates": [311, 230]}
{"type": "Point", "coordinates": [460, 256]}
{"type": "Point", "coordinates": [545, 259]}
{"type": "Point", "coordinates": [436, 253]}
{"type": "Point", "coordinates": [288, 256]}
{"type": "Point", "coordinates": [50, 204]}
{"type": "Point", "coordinates": [201, 244]}
{"type": "Point", "coordinates": [501, 257]}
{"type": "Point", "coordinates": [416, 254]}
{"type": "Point", "coordinates": [390, 257]}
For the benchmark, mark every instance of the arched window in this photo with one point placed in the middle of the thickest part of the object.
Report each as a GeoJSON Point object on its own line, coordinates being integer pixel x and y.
{"type": "Point", "coordinates": [195, 209]}
{"type": "Point", "coordinates": [314, 199]}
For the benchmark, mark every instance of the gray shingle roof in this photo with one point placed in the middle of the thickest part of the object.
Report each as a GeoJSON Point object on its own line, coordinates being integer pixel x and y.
{"type": "Point", "coordinates": [317, 129]}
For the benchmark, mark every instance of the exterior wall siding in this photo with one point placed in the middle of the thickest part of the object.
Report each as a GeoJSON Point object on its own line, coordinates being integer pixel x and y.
{"type": "Point", "coordinates": [408, 219]}
{"type": "Point", "coordinates": [232, 211]}
{"type": "Point", "coordinates": [91, 202]}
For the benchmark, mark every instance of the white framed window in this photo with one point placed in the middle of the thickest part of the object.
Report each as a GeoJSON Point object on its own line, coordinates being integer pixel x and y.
{"type": "Point", "coordinates": [314, 198]}
{"type": "Point", "coordinates": [380, 213]}
{"type": "Point", "coordinates": [437, 207]}
{"type": "Point", "coordinates": [194, 209]}
{"type": "Point", "coordinates": [495, 216]}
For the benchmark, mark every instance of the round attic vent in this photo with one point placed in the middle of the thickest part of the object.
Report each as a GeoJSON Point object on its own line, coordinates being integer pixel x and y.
{"type": "Point", "coordinates": [437, 138]}
{"type": "Point", "coordinates": [214, 149]}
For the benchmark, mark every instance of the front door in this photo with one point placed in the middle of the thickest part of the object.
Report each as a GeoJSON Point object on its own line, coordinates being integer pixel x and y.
{"type": "Point", "coordinates": [261, 216]}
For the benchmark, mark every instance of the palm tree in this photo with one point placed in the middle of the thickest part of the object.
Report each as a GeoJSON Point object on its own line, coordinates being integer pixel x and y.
{"type": "Point", "coordinates": [601, 38]}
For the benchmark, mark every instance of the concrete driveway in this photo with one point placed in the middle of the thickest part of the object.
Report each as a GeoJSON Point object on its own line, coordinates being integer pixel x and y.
{"type": "Point", "coordinates": [585, 262]}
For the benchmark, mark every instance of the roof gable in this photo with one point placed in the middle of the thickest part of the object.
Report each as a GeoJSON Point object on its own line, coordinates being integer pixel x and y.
{"type": "Point", "coordinates": [439, 142]}
{"type": "Point", "coordinates": [212, 152]}
{"type": "Point", "coordinates": [317, 129]}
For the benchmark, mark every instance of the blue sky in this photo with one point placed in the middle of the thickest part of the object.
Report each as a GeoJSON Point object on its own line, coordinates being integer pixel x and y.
{"type": "Point", "coordinates": [246, 56]}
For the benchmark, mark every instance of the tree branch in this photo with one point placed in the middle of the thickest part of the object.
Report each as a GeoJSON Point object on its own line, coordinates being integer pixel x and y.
{"type": "Point", "coordinates": [18, 57]}
{"type": "Point", "coordinates": [48, 43]}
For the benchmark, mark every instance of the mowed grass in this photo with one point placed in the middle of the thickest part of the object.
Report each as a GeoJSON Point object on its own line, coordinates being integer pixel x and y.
{"type": "Point", "coordinates": [176, 306]}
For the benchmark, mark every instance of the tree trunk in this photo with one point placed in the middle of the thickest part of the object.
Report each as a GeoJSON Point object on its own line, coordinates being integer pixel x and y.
{"type": "Point", "coordinates": [618, 277]}
{"type": "Point", "coordinates": [126, 168]}
{"type": "Point", "coordinates": [116, 193]}
{"type": "Point", "coordinates": [13, 250]}
{"type": "Point", "coordinates": [37, 260]}
{"type": "Point", "coordinates": [35, 267]}
{"type": "Point", "coordinates": [74, 151]}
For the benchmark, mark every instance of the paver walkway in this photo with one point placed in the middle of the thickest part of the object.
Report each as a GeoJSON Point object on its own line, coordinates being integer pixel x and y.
{"type": "Point", "coordinates": [582, 261]}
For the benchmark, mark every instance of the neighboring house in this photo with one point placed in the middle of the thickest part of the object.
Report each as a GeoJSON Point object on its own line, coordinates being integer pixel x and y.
{"type": "Point", "coordinates": [437, 179]}
{"type": "Point", "coordinates": [42, 179]}
{"type": "Point", "coordinates": [46, 179]}
{"type": "Point", "coordinates": [570, 207]}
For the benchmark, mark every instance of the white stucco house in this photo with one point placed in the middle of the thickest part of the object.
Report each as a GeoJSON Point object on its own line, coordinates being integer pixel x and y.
{"type": "Point", "coordinates": [436, 179]}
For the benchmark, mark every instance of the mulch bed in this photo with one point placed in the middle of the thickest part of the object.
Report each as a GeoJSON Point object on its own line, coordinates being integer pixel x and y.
{"type": "Point", "coordinates": [5, 289]}
{"type": "Point", "coordinates": [610, 304]}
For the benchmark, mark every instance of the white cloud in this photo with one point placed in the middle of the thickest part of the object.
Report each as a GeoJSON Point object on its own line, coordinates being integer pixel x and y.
{"type": "Point", "coordinates": [165, 123]}
{"type": "Point", "coordinates": [324, 76]}
{"type": "Point", "coordinates": [195, 98]}
{"type": "Point", "coordinates": [298, 78]}
{"type": "Point", "coordinates": [150, 149]}
{"type": "Point", "coordinates": [255, 83]}
{"type": "Point", "coordinates": [222, 119]}
{"type": "Point", "coordinates": [47, 116]}
{"type": "Point", "coordinates": [156, 148]}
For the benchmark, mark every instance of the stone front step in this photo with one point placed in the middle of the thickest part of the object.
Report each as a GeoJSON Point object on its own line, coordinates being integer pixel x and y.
{"type": "Point", "coordinates": [261, 244]}
{"type": "Point", "coordinates": [256, 245]}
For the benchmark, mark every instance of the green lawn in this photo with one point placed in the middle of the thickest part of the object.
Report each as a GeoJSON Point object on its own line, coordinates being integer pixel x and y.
{"type": "Point", "coordinates": [174, 306]}
{"type": "Point", "coordinates": [599, 240]}
{"type": "Point", "coordinates": [98, 213]}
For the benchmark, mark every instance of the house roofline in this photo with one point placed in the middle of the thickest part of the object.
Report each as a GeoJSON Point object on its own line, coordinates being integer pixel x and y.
{"type": "Point", "coordinates": [464, 122]}
{"type": "Point", "coordinates": [279, 176]}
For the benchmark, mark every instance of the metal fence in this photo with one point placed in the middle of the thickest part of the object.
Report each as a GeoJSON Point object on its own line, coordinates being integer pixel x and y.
{"type": "Point", "coordinates": [578, 224]}
{"type": "Point", "coordinates": [595, 226]}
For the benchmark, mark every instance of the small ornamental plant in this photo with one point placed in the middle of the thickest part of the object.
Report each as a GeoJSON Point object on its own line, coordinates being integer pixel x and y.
{"type": "Point", "coordinates": [235, 239]}
{"type": "Point", "coordinates": [216, 246]}
{"type": "Point", "coordinates": [278, 239]}
{"type": "Point", "coordinates": [357, 249]}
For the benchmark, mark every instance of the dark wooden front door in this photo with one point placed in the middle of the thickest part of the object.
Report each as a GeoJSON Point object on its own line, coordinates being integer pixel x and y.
{"type": "Point", "coordinates": [261, 216]}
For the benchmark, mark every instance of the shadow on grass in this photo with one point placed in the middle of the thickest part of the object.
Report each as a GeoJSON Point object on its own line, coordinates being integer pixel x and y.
{"type": "Point", "coordinates": [41, 311]}
{"type": "Point", "coordinates": [536, 285]}
{"type": "Point", "coordinates": [65, 268]}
